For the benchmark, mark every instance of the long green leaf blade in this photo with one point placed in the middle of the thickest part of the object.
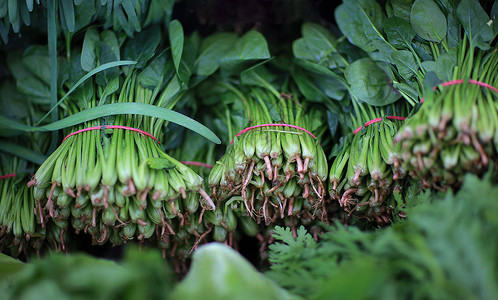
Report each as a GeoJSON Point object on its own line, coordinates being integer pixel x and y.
{"type": "Point", "coordinates": [88, 75]}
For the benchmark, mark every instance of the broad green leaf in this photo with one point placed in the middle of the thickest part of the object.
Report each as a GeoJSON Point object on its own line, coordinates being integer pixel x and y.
{"type": "Point", "coordinates": [36, 60]}
{"type": "Point", "coordinates": [318, 69]}
{"type": "Point", "coordinates": [300, 50]}
{"type": "Point", "coordinates": [251, 47]}
{"type": "Point", "coordinates": [407, 90]}
{"type": "Point", "coordinates": [476, 23]}
{"type": "Point", "coordinates": [218, 272]}
{"type": "Point", "coordinates": [399, 32]}
{"type": "Point", "coordinates": [370, 83]}
{"type": "Point", "coordinates": [454, 31]}
{"type": "Point", "coordinates": [406, 64]}
{"type": "Point", "coordinates": [213, 48]}
{"type": "Point", "coordinates": [68, 13]}
{"type": "Point", "coordinates": [428, 21]}
{"type": "Point", "coordinates": [331, 86]}
{"type": "Point", "coordinates": [89, 49]}
{"type": "Point", "coordinates": [109, 52]}
{"type": "Point", "coordinates": [159, 70]}
{"type": "Point", "coordinates": [402, 8]}
{"type": "Point", "coordinates": [445, 64]}
{"type": "Point", "coordinates": [320, 42]}
{"type": "Point", "coordinates": [350, 24]}
{"type": "Point", "coordinates": [13, 104]}
{"type": "Point", "coordinates": [84, 13]}
{"type": "Point", "coordinates": [429, 66]}
{"type": "Point", "coordinates": [307, 86]}
{"type": "Point", "coordinates": [142, 46]}
{"type": "Point", "coordinates": [34, 87]}
{"type": "Point", "coordinates": [176, 40]}
{"type": "Point", "coordinates": [9, 266]}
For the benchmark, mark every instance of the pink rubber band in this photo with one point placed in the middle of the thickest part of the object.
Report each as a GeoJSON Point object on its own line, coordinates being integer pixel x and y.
{"type": "Point", "coordinates": [110, 127]}
{"type": "Point", "coordinates": [195, 163]}
{"type": "Point", "coordinates": [265, 125]}
{"type": "Point", "coordinates": [460, 81]}
{"type": "Point", "coordinates": [377, 120]}
{"type": "Point", "coordinates": [8, 176]}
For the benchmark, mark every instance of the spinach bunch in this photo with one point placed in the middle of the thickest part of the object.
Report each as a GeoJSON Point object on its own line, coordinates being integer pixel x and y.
{"type": "Point", "coordinates": [427, 44]}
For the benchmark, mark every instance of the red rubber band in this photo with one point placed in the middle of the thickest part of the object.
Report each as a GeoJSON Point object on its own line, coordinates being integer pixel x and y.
{"type": "Point", "coordinates": [265, 125]}
{"type": "Point", "coordinates": [195, 163]}
{"type": "Point", "coordinates": [377, 120]}
{"type": "Point", "coordinates": [460, 81]}
{"type": "Point", "coordinates": [8, 176]}
{"type": "Point", "coordinates": [111, 127]}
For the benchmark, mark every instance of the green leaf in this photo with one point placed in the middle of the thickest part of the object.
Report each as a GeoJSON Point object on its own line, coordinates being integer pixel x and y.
{"type": "Point", "coordinates": [109, 52]}
{"type": "Point", "coordinates": [176, 39]}
{"type": "Point", "coordinates": [159, 163]}
{"type": "Point", "coordinates": [213, 49]}
{"type": "Point", "coordinates": [142, 47]}
{"type": "Point", "coordinates": [402, 8]}
{"type": "Point", "coordinates": [428, 21]}
{"type": "Point", "coordinates": [251, 47]}
{"type": "Point", "coordinates": [406, 64]}
{"type": "Point", "coordinates": [399, 32]}
{"type": "Point", "coordinates": [370, 83]}
{"type": "Point", "coordinates": [37, 61]}
{"type": "Point", "coordinates": [350, 24]}
{"type": "Point", "coordinates": [84, 78]}
{"type": "Point", "coordinates": [476, 23]}
{"type": "Point", "coordinates": [218, 272]}
{"type": "Point", "coordinates": [116, 109]}
{"type": "Point", "coordinates": [130, 12]}
{"type": "Point", "coordinates": [319, 41]}
{"type": "Point", "coordinates": [9, 266]}
{"type": "Point", "coordinates": [109, 89]}
{"type": "Point", "coordinates": [159, 70]}
{"type": "Point", "coordinates": [89, 49]}
{"type": "Point", "coordinates": [445, 65]}
{"type": "Point", "coordinates": [68, 12]}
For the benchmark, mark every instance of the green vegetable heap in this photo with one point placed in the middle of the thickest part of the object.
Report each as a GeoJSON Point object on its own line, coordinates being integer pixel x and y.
{"type": "Point", "coordinates": [430, 45]}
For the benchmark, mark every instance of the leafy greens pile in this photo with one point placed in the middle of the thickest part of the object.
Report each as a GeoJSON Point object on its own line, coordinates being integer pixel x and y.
{"type": "Point", "coordinates": [446, 248]}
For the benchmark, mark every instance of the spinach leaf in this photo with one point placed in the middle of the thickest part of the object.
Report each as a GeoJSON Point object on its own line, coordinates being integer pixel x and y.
{"type": "Point", "coordinates": [406, 64]}
{"type": "Point", "coordinates": [319, 41]}
{"type": "Point", "coordinates": [370, 83]}
{"type": "Point", "coordinates": [89, 57]}
{"type": "Point", "coordinates": [251, 47]}
{"type": "Point", "coordinates": [402, 8]}
{"type": "Point", "coordinates": [176, 39]}
{"type": "Point", "coordinates": [445, 64]}
{"type": "Point", "coordinates": [213, 48]}
{"type": "Point", "coordinates": [143, 46]}
{"type": "Point", "coordinates": [475, 23]}
{"type": "Point", "coordinates": [428, 21]}
{"type": "Point", "coordinates": [399, 32]}
{"type": "Point", "coordinates": [350, 25]}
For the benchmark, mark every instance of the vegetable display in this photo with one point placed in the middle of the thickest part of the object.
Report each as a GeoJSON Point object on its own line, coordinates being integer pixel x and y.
{"type": "Point", "coordinates": [307, 150]}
